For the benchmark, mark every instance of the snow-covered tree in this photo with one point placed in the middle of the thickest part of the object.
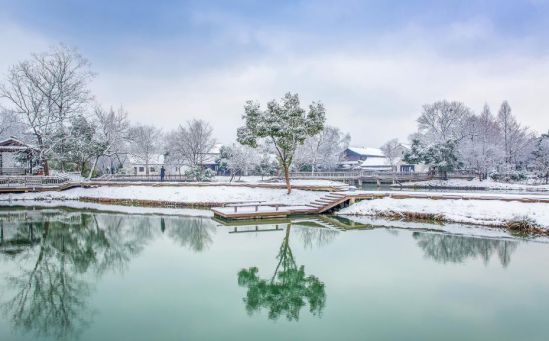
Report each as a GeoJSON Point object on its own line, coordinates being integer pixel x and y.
{"type": "Point", "coordinates": [392, 150]}
{"type": "Point", "coordinates": [517, 141]}
{"type": "Point", "coordinates": [322, 150]}
{"type": "Point", "coordinates": [79, 145]}
{"type": "Point", "coordinates": [46, 91]}
{"type": "Point", "coordinates": [241, 159]}
{"type": "Point", "coordinates": [191, 144]}
{"type": "Point", "coordinates": [541, 156]}
{"type": "Point", "coordinates": [442, 156]}
{"type": "Point", "coordinates": [111, 134]}
{"type": "Point", "coordinates": [268, 166]}
{"type": "Point", "coordinates": [144, 143]}
{"type": "Point", "coordinates": [481, 149]}
{"type": "Point", "coordinates": [286, 125]}
{"type": "Point", "coordinates": [10, 125]}
{"type": "Point", "coordinates": [443, 121]}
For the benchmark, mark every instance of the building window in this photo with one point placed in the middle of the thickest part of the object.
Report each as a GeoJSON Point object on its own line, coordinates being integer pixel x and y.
{"type": "Point", "coordinates": [151, 169]}
{"type": "Point", "coordinates": [141, 169]}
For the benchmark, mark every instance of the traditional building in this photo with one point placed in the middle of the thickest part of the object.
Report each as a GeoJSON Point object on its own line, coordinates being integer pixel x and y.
{"type": "Point", "coordinates": [16, 157]}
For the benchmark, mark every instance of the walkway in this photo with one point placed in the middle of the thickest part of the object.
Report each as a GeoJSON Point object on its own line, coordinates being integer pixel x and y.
{"type": "Point", "coordinates": [336, 200]}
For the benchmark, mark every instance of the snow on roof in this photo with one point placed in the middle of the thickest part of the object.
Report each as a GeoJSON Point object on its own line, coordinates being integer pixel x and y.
{"type": "Point", "coordinates": [376, 162]}
{"type": "Point", "coordinates": [216, 148]}
{"type": "Point", "coordinates": [14, 142]}
{"type": "Point", "coordinates": [367, 151]}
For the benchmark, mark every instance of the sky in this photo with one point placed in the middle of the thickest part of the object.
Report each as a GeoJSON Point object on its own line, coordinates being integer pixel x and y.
{"type": "Point", "coordinates": [373, 64]}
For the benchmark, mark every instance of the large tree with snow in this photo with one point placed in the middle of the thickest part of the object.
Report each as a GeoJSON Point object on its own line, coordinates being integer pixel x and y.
{"type": "Point", "coordinates": [284, 124]}
{"type": "Point", "coordinates": [323, 149]}
{"type": "Point", "coordinates": [144, 143]}
{"type": "Point", "coordinates": [481, 148]}
{"type": "Point", "coordinates": [443, 121]}
{"type": "Point", "coordinates": [111, 134]}
{"type": "Point", "coordinates": [241, 159]}
{"type": "Point", "coordinates": [517, 140]}
{"type": "Point", "coordinates": [191, 144]}
{"type": "Point", "coordinates": [46, 92]}
{"type": "Point", "coordinates": [541, 156]}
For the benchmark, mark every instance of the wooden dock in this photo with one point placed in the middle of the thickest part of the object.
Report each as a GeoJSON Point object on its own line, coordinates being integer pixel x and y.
{"type": "Point", "coordinates": [337, 200]}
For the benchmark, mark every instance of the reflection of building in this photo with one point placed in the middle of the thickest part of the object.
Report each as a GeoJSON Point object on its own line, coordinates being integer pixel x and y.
{"type": "Point", "coordinates": [16, 157]}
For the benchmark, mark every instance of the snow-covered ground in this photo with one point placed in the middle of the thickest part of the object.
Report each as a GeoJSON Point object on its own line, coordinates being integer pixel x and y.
{"type": "Point", "coordinates": [480, 212]}
{"type": "Point", "coordinates": [475, 183]}
{"type": "Point", "coordinates": [187, 194]}
{"type": "Point", "coordinates": [448, 227]}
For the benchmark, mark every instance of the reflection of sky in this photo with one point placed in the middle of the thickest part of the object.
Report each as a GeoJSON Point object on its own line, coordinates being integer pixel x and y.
{"type": "Point", "coordinates": [377, 284]}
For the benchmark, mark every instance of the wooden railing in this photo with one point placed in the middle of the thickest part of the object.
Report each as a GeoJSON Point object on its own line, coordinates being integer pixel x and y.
{"type": "Point", "coordinates": [13, 171]}
{"type": "Point", "coordinates": [31, 181]}
{"type": "Point", "coordinates": [150, 177]}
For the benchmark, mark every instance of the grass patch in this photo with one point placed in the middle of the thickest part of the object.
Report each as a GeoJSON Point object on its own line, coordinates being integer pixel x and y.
{"type": "Point", "coordinates": [524, 225]}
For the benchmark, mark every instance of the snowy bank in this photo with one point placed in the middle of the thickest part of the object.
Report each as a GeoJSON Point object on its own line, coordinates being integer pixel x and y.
{"type": "Point", "coordinates": [474, 184]}
{"type": "Point", "coordinates": [461, 229]}
{"type": "Point", "coordinates": [187, 194]}
{"type": "Point", "coordinates": [479, 212]}
{"type": "Point", "coordinates": [187, 212]}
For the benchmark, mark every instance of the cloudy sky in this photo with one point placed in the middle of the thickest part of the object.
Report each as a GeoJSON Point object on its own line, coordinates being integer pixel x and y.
{"type": "Point", "coordinates": [372, 63]}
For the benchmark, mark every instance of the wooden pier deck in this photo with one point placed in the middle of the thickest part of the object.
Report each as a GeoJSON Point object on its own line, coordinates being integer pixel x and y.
{"type": "Point", "coordinates": [336, 200]}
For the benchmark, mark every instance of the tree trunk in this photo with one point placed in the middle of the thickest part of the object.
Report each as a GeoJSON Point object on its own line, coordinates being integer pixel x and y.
{"type": "Point", "coordinates": [46, 167]}
{"type": "Point", "coordinates": [287, 178]}
{"type": "Point", "coordinates": [92, 168]}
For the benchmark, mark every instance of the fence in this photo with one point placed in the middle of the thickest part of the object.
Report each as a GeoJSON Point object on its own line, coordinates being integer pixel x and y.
{"type": "Point", "coordinates": [31, 181]}
{"type": "Point", "coordinates": [131, 177]}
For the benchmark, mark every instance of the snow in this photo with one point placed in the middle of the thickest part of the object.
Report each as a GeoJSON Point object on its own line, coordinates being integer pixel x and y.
{"type": "Point", "coordinates": [453, 228]}
{"type": "Point", "coordinates": [367, 151]}
{"type": "Point", "coordinates": [475, 183]}
{"type": "Point", "coordinates": [188, 212]}
{"type": "Point", "coordinates": [479, 212]}
{"type": "Point", "coordinates": [187, 194]}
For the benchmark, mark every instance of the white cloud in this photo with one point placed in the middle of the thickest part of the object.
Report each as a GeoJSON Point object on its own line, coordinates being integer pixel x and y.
{"type": "Point", "coordinates": [373, 93]}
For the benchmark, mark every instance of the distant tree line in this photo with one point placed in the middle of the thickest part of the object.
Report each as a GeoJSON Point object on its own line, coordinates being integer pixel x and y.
{"type": "Point", "coordinates": [451, 136]}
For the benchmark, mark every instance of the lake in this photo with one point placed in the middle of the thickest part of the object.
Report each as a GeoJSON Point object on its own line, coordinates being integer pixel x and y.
{"type": "Point", "coordinates": [90, 275]}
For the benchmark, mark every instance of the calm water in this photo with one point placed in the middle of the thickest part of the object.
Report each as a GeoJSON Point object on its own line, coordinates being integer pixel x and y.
{"type": "Point", "coordinates": [83, 275]}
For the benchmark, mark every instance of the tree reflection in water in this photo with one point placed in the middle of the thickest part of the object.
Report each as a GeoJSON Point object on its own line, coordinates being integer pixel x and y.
{"type": "Point", "coordinates": [55, 252]}
{"type": "Point", "coordinates": [447, 248]}
{"type": "Point", "coordinates": [192, 233]}
{"type": "Point", "coordinates": [288, 290]}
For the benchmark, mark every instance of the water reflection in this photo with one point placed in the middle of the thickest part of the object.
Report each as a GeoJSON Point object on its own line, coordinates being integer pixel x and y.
{"type": "Point", "coordinates": [289, 289]}
{"type": "Point", "coordinates": [192, 233]}
{"type": "Point", "coordinates": [447, 248]}
{"type": "Point", "coordinates": [58, 254]}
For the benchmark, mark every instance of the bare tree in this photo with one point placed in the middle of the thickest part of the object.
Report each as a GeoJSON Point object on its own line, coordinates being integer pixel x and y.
{"type": "Point", "coordinates": [322, 149]}
{"type": "Point", "coordinates": [144, 143]}
{"type": "Point", "coordinates": [46, 91]}
{"type": "Point", "coordinates": [392, 151]}
{"type": "Point", "coordinates": [111, 133]}
{"type": "Point", "coordinates": [443, 121]}
{"type": "Point", "coordinates": [10, 125]}
{"type": "Point", "coordinates": [517, 141]}
{"type": "Point", "coordinates": [192, 143]}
